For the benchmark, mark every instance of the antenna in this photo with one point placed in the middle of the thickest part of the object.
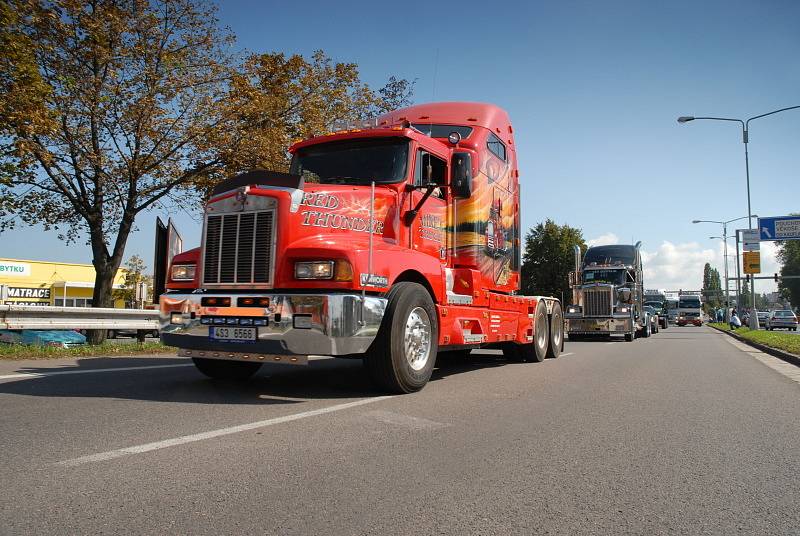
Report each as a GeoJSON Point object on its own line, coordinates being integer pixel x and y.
{"type": "Point", "coordinates": [435, 72]}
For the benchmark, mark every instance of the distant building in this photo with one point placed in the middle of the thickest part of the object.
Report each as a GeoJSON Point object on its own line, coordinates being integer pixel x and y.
{"type": "Point", "coordinates": [51, 283]}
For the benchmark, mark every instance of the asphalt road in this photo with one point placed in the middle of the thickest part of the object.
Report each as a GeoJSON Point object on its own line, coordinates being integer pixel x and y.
{"type": "Point", "coordinates": [682, 433]}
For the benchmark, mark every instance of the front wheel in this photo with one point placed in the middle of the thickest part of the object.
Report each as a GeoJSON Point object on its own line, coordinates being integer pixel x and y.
{"type": "Point", "coordinates": [402, 356]}
{"type": "Point", "coordinates": [226, 370]}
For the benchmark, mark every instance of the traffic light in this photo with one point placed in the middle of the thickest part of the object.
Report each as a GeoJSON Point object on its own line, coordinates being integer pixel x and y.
{"type": "Point", "coordinates": [776, 278]}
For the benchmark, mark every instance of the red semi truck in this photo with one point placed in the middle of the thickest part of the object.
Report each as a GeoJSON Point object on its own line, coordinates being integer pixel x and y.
{"type": "Point", "coordinates": [388, 242]}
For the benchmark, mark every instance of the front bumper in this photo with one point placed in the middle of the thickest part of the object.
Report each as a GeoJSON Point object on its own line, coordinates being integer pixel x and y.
{"type": "Point", "coordinates": [296, 324]}
{"type": "Point", "coordinates": [602, 325]}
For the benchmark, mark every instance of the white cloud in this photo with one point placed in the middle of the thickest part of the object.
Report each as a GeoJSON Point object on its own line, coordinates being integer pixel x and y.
{"type": "Point", "coordinates": [603, 240]}
{"type": "Point", "coordinates": [680, 266]}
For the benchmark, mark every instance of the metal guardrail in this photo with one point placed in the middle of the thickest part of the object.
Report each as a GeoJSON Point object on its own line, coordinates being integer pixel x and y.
{"type": "Point", "coordinates": [35, 317]}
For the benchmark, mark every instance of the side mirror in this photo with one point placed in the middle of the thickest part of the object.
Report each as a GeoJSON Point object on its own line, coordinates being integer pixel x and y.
{"type": "Point", "coordinates": [461, 174]}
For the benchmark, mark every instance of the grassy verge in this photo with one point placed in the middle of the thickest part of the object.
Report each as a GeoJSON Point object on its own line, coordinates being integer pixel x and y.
{"type": "Point", "coordinates": [107, 349]}
{"type": "Point", "coordinates": [775, 339]}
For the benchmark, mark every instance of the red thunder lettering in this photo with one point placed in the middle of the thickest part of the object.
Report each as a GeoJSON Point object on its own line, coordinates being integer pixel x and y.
{"type": "Point", "coordinates": [320, 200]}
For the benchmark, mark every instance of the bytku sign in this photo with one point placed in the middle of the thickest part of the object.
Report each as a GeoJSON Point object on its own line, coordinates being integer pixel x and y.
{"type": "Point", "coordinates": [16, 269]}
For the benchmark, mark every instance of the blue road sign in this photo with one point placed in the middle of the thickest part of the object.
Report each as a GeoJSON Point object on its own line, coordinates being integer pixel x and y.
{"type": "Point", "coordinates": [779, 228]}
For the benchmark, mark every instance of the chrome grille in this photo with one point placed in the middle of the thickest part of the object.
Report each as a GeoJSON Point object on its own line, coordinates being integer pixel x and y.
{"type": "Point", "coordinates": [238, 248]}
{"type": "Point", "coordinates": [597, 301]}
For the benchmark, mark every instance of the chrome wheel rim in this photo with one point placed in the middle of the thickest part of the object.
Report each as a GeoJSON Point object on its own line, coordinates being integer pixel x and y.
{"type": "Point", "coordinates": [557, 322]}
{"type": "Point", "coordinates": [541, 331]}
{"type": "Point", "coordinates": [417, 339]}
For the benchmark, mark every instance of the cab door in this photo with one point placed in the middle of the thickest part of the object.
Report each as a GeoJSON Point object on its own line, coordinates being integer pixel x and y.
{"type": "Point", "coordinates": [427, 232]}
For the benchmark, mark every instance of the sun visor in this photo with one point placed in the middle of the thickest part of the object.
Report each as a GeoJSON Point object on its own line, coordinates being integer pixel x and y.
{"type": "Point", "coordinates": [259, 177]}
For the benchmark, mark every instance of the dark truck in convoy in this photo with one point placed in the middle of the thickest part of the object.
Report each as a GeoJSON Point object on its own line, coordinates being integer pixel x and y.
{"type": "Point", "coordinates": [608, 293]}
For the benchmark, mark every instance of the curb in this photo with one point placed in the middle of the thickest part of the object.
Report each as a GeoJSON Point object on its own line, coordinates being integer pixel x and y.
{"type": "Point", "coordinates": [780, 354]}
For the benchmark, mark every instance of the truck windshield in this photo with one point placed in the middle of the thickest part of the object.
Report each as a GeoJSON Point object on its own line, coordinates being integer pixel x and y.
{"type": "Point", "coordinates": [356, 162]}
{"type": "Point", "coordinates": [689, 303]}
{"type": "Point", "coordinates": [615, 277]}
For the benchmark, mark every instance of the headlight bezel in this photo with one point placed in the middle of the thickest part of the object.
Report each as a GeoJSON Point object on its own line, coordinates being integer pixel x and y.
{"type": "Point", "coordinates": [190, 272]}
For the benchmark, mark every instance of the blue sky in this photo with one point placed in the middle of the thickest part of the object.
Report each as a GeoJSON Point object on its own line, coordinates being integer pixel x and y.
{"type": "Point", "coordinates": [593, 90]}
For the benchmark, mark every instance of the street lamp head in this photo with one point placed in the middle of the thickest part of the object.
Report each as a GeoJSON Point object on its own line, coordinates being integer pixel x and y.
{"type": "Point", "coordinates": [695, 221]}
{"type": "Point", "coordinates": [685, 118]}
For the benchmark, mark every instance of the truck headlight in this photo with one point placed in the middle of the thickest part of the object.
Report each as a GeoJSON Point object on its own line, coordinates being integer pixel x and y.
{"type": "Point", "coordinates": [623, 309]}
{"type": "Point", "coordinates": [574, 309]}
{"type": "Point", "coordinates": [313, 270]}
{"type": "Point", "coordinates": [183, 272]}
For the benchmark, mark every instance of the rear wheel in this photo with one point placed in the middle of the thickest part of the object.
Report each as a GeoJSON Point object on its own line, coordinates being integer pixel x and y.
{"type": "Point", "coordinates": [646, 330]}
{"type": "Point", "coordinates": [536, 351]}
{"type": "Point", "coordinates": [111, 334]}
{"type": "Point", "coordinates": [225, 370]}
{"type": "Point", "coordinates": [402, 356]}
{"type": "Point", "coordinates": [556, 338]}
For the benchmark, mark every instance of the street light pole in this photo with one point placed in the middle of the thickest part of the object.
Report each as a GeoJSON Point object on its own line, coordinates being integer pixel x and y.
{"type": "Point", "coordinates": [724, 237]}
{"type": "Point", "coordinates": [738, 276]}
{"type": "Point", "coordinates": [745, 139]}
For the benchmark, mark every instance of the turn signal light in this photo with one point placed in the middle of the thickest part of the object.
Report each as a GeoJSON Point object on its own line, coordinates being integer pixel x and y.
{"type": "Point", "coordinates": [344, 271]}
{"type": "Point", "coordinates": [213, 301]}
{"type": "Point", "coordinates": [252, 301]}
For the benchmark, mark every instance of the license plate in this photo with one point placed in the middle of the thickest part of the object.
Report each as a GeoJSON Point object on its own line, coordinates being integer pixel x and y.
{"type": "Point", "coordinates": [231, 334]}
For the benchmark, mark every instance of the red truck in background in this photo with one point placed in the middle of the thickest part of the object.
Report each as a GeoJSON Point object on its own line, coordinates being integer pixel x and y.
{"type": "Point", "coordinates": [376, 245]}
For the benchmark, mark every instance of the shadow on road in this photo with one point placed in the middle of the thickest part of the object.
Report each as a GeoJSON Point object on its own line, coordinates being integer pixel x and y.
{"type": "Point", "coordinates": [274, 384]}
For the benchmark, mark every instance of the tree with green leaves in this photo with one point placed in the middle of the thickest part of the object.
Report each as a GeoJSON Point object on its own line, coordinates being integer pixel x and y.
{"type": "Point", "coordinates": [135, 274]}
{"type": "Point", "coordinates": [109, 108]}
{"type": "Point", "coordinates": [549, 257]}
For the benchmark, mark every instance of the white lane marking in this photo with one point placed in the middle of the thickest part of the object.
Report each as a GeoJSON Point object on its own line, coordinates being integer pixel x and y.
{"type": "Point", "coordinates": [192, 438]}
{"type": "Point", "coordinates": [87, 371]}
{"type": "Point", "coordinates": [569, 353]}
{"type": "Point", "coordinates": [778, 365]}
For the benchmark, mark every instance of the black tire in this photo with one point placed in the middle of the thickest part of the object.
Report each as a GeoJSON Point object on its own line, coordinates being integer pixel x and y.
{"type": "Point", "coordinates": [646, 329]}
{"type": "Point", "coordinates": [386, 359]}
{"type": "Point", "coordinates": [111, 334]}
{"type": "Point", "coordinates": [629, 337]}
{"type": "Point", "coordinates": [226, 370]}
{"type": "Point", "coordinates": [556, 335]}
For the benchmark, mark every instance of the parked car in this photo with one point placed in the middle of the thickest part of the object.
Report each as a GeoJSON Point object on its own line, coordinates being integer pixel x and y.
{"type": "Point", "coordinates": [762, 318]}
{"type": "Point", "coordinates": [782, 319]}
{"type": "Point", "coordinates": [114, 333]}
{"type": "Point", "coordinates": [62, 338]}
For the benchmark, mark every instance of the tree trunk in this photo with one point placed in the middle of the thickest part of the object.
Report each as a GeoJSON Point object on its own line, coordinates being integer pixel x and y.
{"type": "Point", "coordinates": [102, 296]}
